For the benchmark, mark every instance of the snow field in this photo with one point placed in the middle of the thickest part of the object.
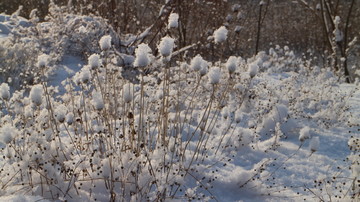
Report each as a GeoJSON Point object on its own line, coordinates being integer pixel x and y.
{"type": "Point", "coordinates": [267, 128]}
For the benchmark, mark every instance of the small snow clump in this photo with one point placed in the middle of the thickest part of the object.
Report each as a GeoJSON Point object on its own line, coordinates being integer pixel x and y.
{"type": "Point", "coordinates": [105, 42]}
{"type": "Point", "coordinates": [36, 94]}
{"type": "Point", "coordinates": [337, 33]}
{"type": "Point", "coordinates": [237, 29]}
{"type": "Point", "coordinates": [253, 69]}
{"type": "Point", "coordinates": [238, 116]}
{"type": "Point", "coordinates": [85, 74]}
{"type": "Point", "coordinates": [203, 70]}
{"type": "Point", "coordinates": [142, 55]}
{"type": "Point", "coordinates": [4, 91]}
{"type": "Point", "coordinates": [97, 100]}
{"type": "Point", "coordinates": [60, 113]}
{"type": "Point", "coordinates": [43, 60]}
{"type": "Point", "coordinates": [94, 61]}
{"type": "Point", "coordinates": [173, 21]}
{"type": "Point", "coordinates": [231, 64]}
{"type": "Point", "coordinates": [166, 46]}
{"type": "Point", "coordinates": [69, 118]}
{"type": "Point", "coordinates": [7, 133]}
{"type": "Point", "coordinates": [305, 133]}
{"type": "Point", "coordinates": [214, 75]}
{"type": "Point", "coordinates": [197, 63]}
{"type": "Point", "coordinates": [127, 92]}
{"type": "Point", "coordinates": [314, 144]}
{"type": "Point", "coordinates": [220, 34]}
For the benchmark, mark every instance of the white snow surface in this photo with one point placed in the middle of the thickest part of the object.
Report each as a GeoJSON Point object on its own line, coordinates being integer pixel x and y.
{"type": "Point", "coordinates": [23, 198]}
{"type": "Point", "coordinates": [293, 169]}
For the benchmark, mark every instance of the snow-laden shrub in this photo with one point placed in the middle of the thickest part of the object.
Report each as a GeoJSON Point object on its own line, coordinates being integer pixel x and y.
{"type": "Point", "coordinates": [175, 133]}
{"type": "Point", "coordinates": [158, 139]}
{"type": "Point", "coordinates": [62, 33]}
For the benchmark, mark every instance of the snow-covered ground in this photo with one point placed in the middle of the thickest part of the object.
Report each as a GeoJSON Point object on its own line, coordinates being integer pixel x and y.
{"type": "Point", "coordinates": [267, 167]}
{"type": "Point", "coordinates": [295, 172]}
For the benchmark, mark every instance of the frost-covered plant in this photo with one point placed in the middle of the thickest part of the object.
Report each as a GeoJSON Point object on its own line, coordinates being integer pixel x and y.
{"type": "Point", "coordinates": [167, 134]}
{"type": "Point", "coordinates": [147, 140]}
{"type": "Point", "coordinates": [62, 33]}
{"type": "Point", "coordinates": [354, 146]}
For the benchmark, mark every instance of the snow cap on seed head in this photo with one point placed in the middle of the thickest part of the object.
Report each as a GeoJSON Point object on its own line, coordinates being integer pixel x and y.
{"type": "Point", "coordinates": [7, 133]}
{"type": "Point", "coordinates": [314, 144]}
{"type": "Point", "coordinates": [105, 42]}
{"type": "Point", "coordinates": [231, 64]}
{"type": "Point", "coordinates": [220, 35]}
{"type": "Point", "coordinates": [43, 60]}
{"type": "Point", "coordinates": [173, 20]}
{"type": "Point", "coordinates": [60, 112]}
{"type": "Point", "coordinates": [304, 134]}
{"type": "Point", "coordinates": [203, 70]}
{"type": "Point", "coordinates": [36, 94]}
{"type": "Point", "coordinates": [128, 92]}
{"type": "Point", "coordinates": [214, 75]}
{"type": "Point", "coordinates": [197, 63]}
{"type": "Point", "coordinates": [94, 61]}
{"type": "Point", "coordinates": [253, 69]}
{"type": "Point", "coordinates": [97, 100]}
{"type": "Point", "coordinates": [166, 46]}
{"type": "Point", "coordinates": [4, 91]}
{"type": "Point", "coordinates": [142, 55]}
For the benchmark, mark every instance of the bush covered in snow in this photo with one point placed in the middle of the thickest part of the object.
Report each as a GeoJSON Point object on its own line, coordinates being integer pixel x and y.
{"type": "Point", "coordinates": [62, 33]}
{"type": "Point", "coordinates": [158, 140]}
{"type": "Point", "coordinates": [134, 126]}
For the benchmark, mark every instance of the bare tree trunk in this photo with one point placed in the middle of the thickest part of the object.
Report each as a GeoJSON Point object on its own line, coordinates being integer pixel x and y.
{"type": "Point", "coordinates": [258, 30]}
{"type": "Point", "coordinates": [343, 50]}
